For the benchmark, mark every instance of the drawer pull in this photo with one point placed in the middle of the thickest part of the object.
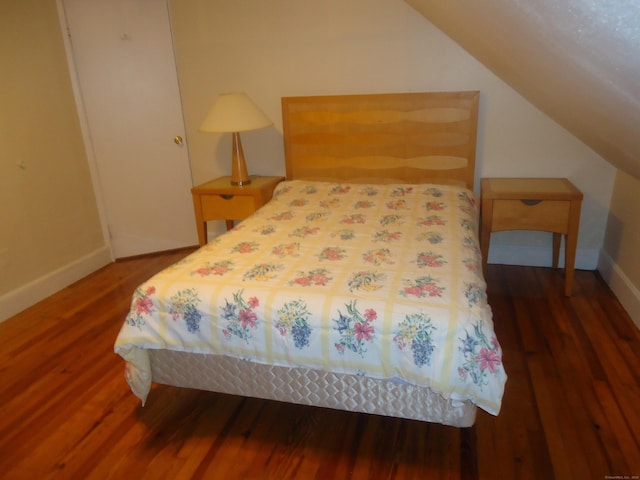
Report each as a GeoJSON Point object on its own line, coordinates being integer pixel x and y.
{"type": "Point", "coordinates": [227, 197]}
{"type": "Point", "coordinates": [531, 202]}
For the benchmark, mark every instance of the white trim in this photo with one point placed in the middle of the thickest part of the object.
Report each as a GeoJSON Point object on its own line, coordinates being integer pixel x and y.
{"type": "Point", "coordinates": [84, 127]}
{"type": "Point", "coordinates": [586, 258]}
{"type": "Point", "coordinates": [27, 295]}
{"type": "Point", "coordinates": [627, 293]}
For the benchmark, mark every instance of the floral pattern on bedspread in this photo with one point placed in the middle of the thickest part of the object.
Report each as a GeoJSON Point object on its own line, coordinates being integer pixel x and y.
{"type": "Point", "coordinates": [376, 280]}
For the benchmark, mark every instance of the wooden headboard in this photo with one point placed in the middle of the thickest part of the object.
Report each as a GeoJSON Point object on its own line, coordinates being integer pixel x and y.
{"type": "Point", "coordinates": [405, 137]}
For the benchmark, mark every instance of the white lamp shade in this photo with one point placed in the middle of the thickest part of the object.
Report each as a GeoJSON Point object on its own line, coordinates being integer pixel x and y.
{"type": "Point", "coordinates": [234, 112]}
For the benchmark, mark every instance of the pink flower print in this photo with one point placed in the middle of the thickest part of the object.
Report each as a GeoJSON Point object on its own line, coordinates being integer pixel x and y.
{"type": "Point", "coordinates": [422, 287]}
{"type": "Point", "coordinates": [434, 290]}
{"type": "Point", "coordinates": [143, 305]}
{"type": "Point", "coordinates": [341, 189]}
{"type": "Point", "coordinates": [244, 247]}
{"type": "Point", "coordinates": [399, 341]}
{"type": "Point", "coordinates": [352, 219]}
{"type": "Point", "coordinates": [286, 249]}
{"type": "Point", "coordinates": [363, 204]}
{"type": "Point", "coordinates": [370, 314]}
{"type": "Point", "coordinates": [432, 220]}
{"type": "Point", "coordinates": [488, 360]}
{"type": "Point", "coordinates": [332, 254]}
{"type": "Point", "coordinates": [470, 199]}
{"type": "Point", "coordinates": [386, 236]}
{"type": "Point", "coordinates": [378, 257]}
{"type": "Point", "coordinates": [397, 205]}
{"type": "Point", "coordinates": [319, 279]}
{"type": "Point", "coordinates": [354, 331]}
{"type": "Point", "coordinates": [430, 259]}
{"type": "Point", "coordinates": [363, 331]}
{"type": "Point", "coordinates": [462, 373]}
{"type": "Point", "coordinates": [247, 318]}
{"type": "Point", "coordinates": [416, 291]}
{"type": "Point", "coordinates": [282, 190]}
{"type": "Point", "coordinates": [314, 277]}
{"type": "Point", "coordinates": [434, 206]}
{"type": "Point", "coordinates": [254, 302]}
{"type": "Point", "coordinates": [332, 203]}
{"type": "Point", "coordinates": [304, 231]}
{"type": "Point", "coordinates": [217, 269]}
{"type": "Point", "coordinates": [401, 191]}
{"type": "Point", "coordinates": [282, 216]}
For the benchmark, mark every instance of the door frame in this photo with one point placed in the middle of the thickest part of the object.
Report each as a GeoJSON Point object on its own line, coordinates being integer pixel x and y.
{"type": "Point", "coordinates": [84, 127]}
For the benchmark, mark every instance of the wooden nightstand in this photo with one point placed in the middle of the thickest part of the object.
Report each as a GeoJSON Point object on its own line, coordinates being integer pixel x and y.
{"type": "Point", "coordinates": [219, 200]}
{"type": "Point", "coordinates": [547, 204]}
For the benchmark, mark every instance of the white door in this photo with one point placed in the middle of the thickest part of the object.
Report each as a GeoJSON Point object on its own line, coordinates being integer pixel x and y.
{"type": "Point", "coordinates": [124, 60]}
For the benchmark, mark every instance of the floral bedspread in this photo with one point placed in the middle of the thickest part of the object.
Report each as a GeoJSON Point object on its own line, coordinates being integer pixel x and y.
{"type": "Point", "coordinates": [376, 280]}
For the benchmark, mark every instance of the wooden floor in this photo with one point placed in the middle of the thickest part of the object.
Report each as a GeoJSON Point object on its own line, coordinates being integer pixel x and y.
{"type": "Point", "coordinates": [571, 407]}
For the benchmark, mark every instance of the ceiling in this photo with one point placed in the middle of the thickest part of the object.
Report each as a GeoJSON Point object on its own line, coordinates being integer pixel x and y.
{"type": "Point", "coordinates": [576, 60]}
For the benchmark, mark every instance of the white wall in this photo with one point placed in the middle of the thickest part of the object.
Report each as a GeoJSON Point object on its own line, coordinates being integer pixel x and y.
{"type": "Point", "coordinates": [50, 229]}
{"type": "Point", "coordinates": [620, 262]}
{"type": "Point", "coordinates": [311, 47]}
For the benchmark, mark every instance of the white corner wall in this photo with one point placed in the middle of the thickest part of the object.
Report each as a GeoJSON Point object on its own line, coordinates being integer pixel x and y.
{"type": "Point", "coordinates": [619, 261]}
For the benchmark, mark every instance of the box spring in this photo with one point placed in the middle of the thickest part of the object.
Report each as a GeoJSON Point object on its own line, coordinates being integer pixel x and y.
{"type": "Point", "coordinates": [308, 387]}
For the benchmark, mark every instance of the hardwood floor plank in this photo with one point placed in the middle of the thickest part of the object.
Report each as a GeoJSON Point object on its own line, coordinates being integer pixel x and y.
{"type": "Point", "coordinates": [523, 417]}
{"type": "Point", "coordinates": [570, 408]}
{"type": "Point", "coordinates": [561, 453]}
{"type": "Point", "coordinates": [617, 440]}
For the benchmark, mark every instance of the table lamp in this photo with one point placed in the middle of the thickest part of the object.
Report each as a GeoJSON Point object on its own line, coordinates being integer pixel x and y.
{"type": "Point", "coordinates": [234, 113]}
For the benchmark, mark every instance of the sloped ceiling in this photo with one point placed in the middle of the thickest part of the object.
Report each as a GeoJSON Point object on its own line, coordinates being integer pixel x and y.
{"type": "Point", "coordinates": [576, 60]}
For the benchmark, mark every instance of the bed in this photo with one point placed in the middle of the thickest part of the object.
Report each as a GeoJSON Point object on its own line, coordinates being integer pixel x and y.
{"type": "Point", "coordinates": [358, 286]}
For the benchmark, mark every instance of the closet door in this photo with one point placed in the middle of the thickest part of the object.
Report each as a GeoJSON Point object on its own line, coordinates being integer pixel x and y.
{"type": "Point", "coordinates": [125, 66]}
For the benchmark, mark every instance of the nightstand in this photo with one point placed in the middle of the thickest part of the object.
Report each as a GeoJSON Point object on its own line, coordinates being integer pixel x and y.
{"type": "Point", "coordinates": [219, 200]}
{"type": "Point", "coordinates": [547, 204]}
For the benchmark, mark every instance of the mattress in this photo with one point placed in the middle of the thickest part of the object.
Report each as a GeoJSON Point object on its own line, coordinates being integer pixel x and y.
{"type": "Point", "coordinates": [375, 283]}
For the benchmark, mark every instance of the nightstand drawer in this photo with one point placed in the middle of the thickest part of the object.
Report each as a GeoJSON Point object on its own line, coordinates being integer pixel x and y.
{"type": "Point", "coordinates": [220, 207]}
{"type": "Point", "coordinates": [546, 215]}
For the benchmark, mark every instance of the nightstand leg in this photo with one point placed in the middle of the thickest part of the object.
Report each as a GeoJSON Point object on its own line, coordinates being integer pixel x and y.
{"type": "Point", "coordinates": [569, 263]}
{"type": "Point", "coordinates": [201, 225]}
{"type": "Point", "coordinates": [202, 233]}
{"type": "Point", "coordinates": [229, 224]}
{"type": "Point", "coordinates": [485, 231]}
{"type": "Point", "coordinates": [571, 245]}
{"type": "Point", "coordinates": [557, 238]}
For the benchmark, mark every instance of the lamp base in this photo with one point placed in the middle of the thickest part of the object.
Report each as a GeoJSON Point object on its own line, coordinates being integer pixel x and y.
{"type": "Point", "coordinates": [240, 183]}
{"type": "Point", "coordinates": [239, 175]}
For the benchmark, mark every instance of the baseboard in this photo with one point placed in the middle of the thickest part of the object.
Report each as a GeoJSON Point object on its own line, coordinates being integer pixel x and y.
{"type": "Point", "coordinates": [627, 293]}
{"type": "Point", "coordinates": [533, 256]}
{"type": "Point", "coordinates": [27, 295]}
